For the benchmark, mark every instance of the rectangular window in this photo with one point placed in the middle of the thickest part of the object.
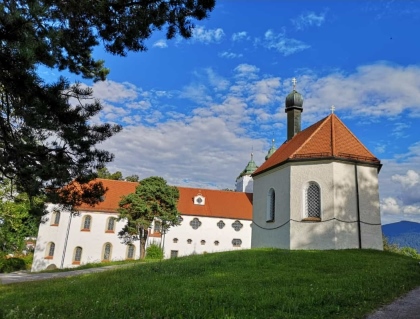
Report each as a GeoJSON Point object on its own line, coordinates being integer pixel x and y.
{"type": "Point", "coordinates": [174, 253]}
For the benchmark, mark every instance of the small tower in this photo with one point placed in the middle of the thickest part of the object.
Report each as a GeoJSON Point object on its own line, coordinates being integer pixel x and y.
{"type": "Point", "coordinates": [294, 108]}
{"type": "Point", "coordinates": [271, 150]}
{"type": "Point", "coordinates": [244, 182]}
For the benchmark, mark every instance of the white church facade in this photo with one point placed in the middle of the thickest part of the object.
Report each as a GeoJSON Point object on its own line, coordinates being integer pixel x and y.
{"type": "Point", "coordinates": [318, 190]}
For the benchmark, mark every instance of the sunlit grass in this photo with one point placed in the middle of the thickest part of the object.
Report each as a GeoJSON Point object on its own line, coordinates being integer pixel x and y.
{"type": "Point", "coordinates": [263, 283]}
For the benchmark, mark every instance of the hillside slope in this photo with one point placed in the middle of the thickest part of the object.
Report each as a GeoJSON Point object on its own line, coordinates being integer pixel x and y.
{"type": "Point", "coordinates": [404, 234]}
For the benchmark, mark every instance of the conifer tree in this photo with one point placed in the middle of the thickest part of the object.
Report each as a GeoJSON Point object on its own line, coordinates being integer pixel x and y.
{"type": "Point", "coordinates": [47, 138]}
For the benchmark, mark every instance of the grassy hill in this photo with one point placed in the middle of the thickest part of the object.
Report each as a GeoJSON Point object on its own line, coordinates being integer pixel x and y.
{"type": "Point", "coordinates": [262, 283]}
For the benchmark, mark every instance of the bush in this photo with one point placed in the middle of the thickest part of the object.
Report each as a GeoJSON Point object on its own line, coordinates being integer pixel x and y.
{"type": "Point", "coordinates": [154, 252]}
{"type": "Point", "coordinates": [12, 264]}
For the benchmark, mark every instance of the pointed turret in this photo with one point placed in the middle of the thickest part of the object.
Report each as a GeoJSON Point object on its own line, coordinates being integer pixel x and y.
{"type": "Point", "coordinates": [294, 108]}
{"type": "Point", "coordinates": [244, 182]}
{"type": "Point", "coordinates": [271, 150]}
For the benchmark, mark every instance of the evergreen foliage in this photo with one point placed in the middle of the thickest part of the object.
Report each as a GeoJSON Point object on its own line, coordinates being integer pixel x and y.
{"type": "Point", "coordinates": [154, 252]}
{"type": "Point", "coordinates": [153, 200]}
{"type": "Point", "coordinates": [46, 137]}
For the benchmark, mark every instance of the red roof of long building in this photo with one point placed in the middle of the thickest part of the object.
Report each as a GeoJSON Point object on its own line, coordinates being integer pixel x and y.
{"type": "Point", "coordinates": [222, 204]}
{"type": "Point", "coordinates": [328, 138]}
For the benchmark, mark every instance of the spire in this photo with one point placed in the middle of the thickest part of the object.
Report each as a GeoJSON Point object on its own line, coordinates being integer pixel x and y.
{"type": "Point", "coordinates": [294, 108]}
{"type": "Point", "coordinates": [271, 150]}
{"type": "Point", "coordinates": [250, 167]}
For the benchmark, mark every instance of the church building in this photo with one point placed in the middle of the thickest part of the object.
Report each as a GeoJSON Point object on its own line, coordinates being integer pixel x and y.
{"type": "Point", "coordinates": [318, 190]}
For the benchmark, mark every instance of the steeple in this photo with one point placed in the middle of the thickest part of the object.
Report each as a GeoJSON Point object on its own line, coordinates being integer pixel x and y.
{"type": "Point", "coordinates": [250, 167]}
{"type": "Point", "coordinates": [244, 182]}
{"type": "Point", "coordinates": [294, 108]}
{"type": "Point", "coordinates": [271, 150]}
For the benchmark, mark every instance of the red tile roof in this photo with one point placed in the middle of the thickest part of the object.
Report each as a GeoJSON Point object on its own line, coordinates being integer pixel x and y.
{"type": "Point", "coordinates": [328, 138]}
{"type": "Point", "coordinates": [222, 204]}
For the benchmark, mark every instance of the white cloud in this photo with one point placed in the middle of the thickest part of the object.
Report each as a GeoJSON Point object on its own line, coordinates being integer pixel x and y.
{"type": "Point", "coordinates": [408, 180]}
{"type": "Point", "coordinates": [389, 205]}
{"type": "Point", "coordinates": [114, 92]}
{"type": "Point", "coordinates": [200, 34]}
{"type": "Point", "coordinates": [265, 91]}
{"type": "Point", "coordinates": [245, 70]}
{"type": "Point", "coordinates": [230, 55]}
{"type": "Point", "coordinates": [160, 44]}
{"type": "Point", "coordinates": [216, 81]}
{"type": "Point", "coordinates": [281, 43]}
{"type": "Point", "coordinates": [239, 36]}
{"type": "Point", "coordinates": [308, 19]}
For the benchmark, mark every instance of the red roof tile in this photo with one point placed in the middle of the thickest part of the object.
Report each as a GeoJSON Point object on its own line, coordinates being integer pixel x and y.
{"type": "Point", "coordinates": [328, 138]}
{"type": "Point", "coordinates": [222, 204]}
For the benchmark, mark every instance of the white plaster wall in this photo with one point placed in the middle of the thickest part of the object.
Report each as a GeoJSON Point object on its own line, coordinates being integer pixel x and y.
{"type": "Point", "coordinates": [277, 233]}
{"type": "Point", "coordinates": [92, 242]}
{"type": "Point", "coordinates": [312, 235]}
{"type": "Point", "coordinates": [369, 207]}
{"type": "Point", "coordinates": [208, 231]}
{"type": "Point", "coordinates": [245, 184]}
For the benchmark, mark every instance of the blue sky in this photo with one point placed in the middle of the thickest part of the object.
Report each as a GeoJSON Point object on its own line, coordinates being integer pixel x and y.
{"type": "Point", "coordinates": [193, 110]}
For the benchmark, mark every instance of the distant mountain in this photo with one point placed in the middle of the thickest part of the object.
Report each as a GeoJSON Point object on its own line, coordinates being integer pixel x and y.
{"type": "Point", "coordinates": [404, 234]}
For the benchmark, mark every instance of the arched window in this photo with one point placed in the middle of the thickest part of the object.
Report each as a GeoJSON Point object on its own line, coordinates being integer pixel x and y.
{"type": "Point", "coordinates": [313, 201]}
{"type": "Point", "coordinates": [220, 224]}
{"type": "Point", "coordinates": [50, 250]}
{"type": "Point", "coordinates": [203, 242]}
{"type": "Point", "coordinates": [189, 241]}
{"type": "Point", "coordinates": [131, 250]}
{"type": "Point", "coordinates": [158, 227]}
{"type": "Point", "coordinates": [175, 240]}
{"type": "Point", "coordinates": [271, 205]}
{"type": "Point", "coordinates": [107, 251]}
{"type": "Point", "coordinates": [236, 242]}
{"type": "Point", "coordinates": [110, 225]}
{"type": "Point", "coordinates": [77, 255]}
{"type": "Point", "coordinates": [55, 220]}
{"type": "Point", "coordinates": [86, 223]}
{"type": "Point", "coordinates": [216, 243]}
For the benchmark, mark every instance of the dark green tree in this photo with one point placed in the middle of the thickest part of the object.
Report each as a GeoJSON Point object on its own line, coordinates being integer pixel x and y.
{"type": "Point", "coordinates": [46, 137]}
{"type": "Point", "coordinates": [105, 173]}
{"type": "Point", "coordinates": [132, 178]}
{"type": "Point", "coordinates": [153, 200]}
{"type": "Point", "coordinates": [16, 220]}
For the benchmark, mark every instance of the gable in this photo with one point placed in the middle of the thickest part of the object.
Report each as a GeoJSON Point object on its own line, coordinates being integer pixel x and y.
{"type": "Point", "coordinates": [328, 138]}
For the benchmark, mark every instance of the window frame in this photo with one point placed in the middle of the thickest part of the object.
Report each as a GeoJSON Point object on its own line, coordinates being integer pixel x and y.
{"type": "Point", "coordinates": [49, 253]}
{"type": "Point", "coordinates": [84, 223]}
{"type": "Point", "coordinates": [221, 224]}
{"type": "Point", "coordinates": [77, 259]}
{"type": "Point", "coordinates": [236, 222]}
{"type": "Point", "coordinates": [131, 250]}
{"type": "Point", "coordinates": [195, 221]}
{"type": "Point", "coordinates": [55, 218]}
{"type": "Point", "coordinates": [108, 221]}
{"type": "Point", "coordinates": [305, 215]}
{"type": "Point", "coordinates": [270, 215]}
{"type": "Point", "coordinates": [236, 242]}
{"type": "Point", "coordinates": [104, 249]}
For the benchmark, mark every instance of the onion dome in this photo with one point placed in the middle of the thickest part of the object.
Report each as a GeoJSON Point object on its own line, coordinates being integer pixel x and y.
{"type": "Point", "coordinates": [271, 150]}
{"type": "Point", "coordinates": [294, 99]}
{"type": "Point", "coordinates": [250, 168]}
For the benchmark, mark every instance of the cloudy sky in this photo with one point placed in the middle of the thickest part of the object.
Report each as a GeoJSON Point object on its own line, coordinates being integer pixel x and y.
{"type": "Point", "coordinates": [194, 110]}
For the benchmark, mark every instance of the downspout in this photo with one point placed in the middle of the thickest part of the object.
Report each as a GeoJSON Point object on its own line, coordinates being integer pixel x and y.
{"type": "Point", "coordinates": [65, 241]}
{"type": "Point", "coordinates": [358, 206]}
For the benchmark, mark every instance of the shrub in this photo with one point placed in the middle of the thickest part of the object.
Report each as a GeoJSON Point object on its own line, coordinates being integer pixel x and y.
{"type": "Point", "coordinates": [154, 252]}
{"type": "Point", "coordinates": [12, 264]}
{"type": "Point", "coordinates": [408, 251]}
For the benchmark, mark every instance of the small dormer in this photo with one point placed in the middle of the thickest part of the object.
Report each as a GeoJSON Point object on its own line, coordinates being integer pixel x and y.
{"type": "Point", "coordinates": [199, 200]}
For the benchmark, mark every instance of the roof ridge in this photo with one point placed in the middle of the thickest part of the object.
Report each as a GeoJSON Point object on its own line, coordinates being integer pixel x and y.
{"type": "Point", "coordinates": [312, 135]}
{"type": "Point", "coordinates": [351, 133]}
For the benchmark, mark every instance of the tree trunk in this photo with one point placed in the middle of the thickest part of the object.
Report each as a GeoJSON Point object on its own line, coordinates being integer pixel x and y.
{"type": "Point", "coordinates": [143, 240]}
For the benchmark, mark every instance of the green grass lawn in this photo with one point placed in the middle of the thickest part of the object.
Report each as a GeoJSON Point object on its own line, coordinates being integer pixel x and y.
{"type": "Point", "coordinates": [263, 283]}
